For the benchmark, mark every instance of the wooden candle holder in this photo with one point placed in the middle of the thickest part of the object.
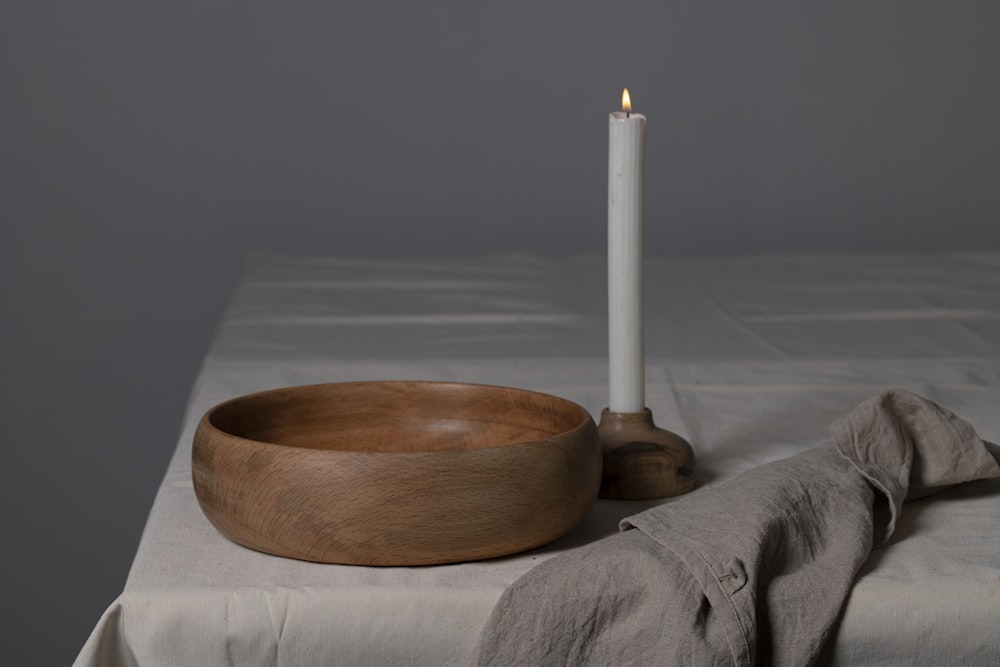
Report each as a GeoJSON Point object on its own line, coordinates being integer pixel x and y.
{"type": "Point", "coordinates": [641, 461]}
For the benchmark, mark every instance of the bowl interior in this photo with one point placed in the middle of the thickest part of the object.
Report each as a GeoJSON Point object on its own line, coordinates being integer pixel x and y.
{"type": "Point", "coordinates": [397, 416]}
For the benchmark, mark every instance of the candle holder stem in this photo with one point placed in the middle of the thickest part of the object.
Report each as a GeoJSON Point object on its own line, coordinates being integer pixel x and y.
{"type": "Point", "coordinates": [642, 461]}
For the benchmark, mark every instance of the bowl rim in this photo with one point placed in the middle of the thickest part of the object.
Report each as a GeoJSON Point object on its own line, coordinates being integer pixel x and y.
{"type": "Point", "coordinates": [206, 422]}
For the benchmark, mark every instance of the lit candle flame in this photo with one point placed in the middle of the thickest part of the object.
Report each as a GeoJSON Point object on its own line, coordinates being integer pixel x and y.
{"type": "Point", "coordinates": [626, 101]}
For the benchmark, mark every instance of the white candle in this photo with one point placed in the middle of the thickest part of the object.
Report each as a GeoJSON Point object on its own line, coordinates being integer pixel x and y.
{"type": "Point", "coordinates": [625, 328]}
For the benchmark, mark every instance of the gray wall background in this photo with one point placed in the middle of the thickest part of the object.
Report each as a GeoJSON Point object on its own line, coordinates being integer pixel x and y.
{"type": "Point", "coordinates": [145, 148]}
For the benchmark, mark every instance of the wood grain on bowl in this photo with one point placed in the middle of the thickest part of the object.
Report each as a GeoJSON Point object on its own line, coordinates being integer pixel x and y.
{"type": "Point", "coordinates": [396, 473]}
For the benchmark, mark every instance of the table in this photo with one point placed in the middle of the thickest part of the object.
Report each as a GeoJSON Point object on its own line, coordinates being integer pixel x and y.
{"type": "Point", "coordinates": [749, 358]}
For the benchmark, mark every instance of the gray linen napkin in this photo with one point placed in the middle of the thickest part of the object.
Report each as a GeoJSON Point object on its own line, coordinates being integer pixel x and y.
{"type": "Point", "coordinates": [754, 570]}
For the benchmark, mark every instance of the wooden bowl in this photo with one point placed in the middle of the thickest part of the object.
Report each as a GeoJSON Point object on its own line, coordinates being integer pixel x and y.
{"type": "Point", "coordinates": [396, 473]}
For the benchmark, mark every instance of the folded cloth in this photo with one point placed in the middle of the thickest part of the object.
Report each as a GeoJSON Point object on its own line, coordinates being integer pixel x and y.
{"type": "Point", "coordinates": [755, 570]}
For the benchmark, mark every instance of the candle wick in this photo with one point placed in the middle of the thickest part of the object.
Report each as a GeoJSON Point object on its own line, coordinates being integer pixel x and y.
{"type": "Point", "coordinates": [627, 114]}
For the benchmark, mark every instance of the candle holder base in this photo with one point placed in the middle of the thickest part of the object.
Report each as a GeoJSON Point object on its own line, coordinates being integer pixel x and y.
{"type": "Point", "coordinates": [641, 461]}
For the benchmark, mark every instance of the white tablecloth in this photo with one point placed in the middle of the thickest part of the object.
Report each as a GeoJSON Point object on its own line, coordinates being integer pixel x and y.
{"type": "Point", "coordinates": [750, 359]}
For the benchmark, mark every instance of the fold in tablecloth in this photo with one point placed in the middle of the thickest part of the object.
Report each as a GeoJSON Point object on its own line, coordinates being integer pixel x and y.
{"type": "Point", "coordinates": [755, 570]}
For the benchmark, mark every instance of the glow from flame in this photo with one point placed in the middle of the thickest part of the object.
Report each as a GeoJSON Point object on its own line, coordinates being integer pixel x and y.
{"type": "Point", "coordinates": [626, 101]}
